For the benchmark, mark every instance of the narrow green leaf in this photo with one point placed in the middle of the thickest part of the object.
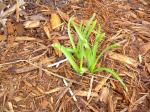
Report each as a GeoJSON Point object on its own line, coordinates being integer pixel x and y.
{"type": "Point", "coordinates": [68, 56]}
{"type": "Point", "coordinates": [69, 33]}
{"type": "Point", "coordinates": [113, 73]}
{"type": "Point", "coordinates": [80, 35]}
{"type": "Point", "coordinates": [91, 29]}
{"type": "Point", "coordinates": [102, 53]}
{"type": "Point", "coordinates": [89, 24]}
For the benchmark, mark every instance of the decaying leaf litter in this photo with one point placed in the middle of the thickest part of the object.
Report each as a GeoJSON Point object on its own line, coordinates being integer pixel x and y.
{"type": "Point", "coordinates": [36, 77]}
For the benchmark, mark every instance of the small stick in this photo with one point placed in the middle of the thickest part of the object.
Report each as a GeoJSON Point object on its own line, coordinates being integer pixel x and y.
{"type": "Point", "coordinates": [57, 63]}
{"type": "Point", "coordinates": [90, 89]}
{"type": "Point", "coordinates": [70, 91]}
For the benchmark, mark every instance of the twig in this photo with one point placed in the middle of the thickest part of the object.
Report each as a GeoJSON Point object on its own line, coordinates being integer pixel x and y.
{"type": "Point", "coordinates": [13, 62]}
{"type": "Point", "coordinates": [90, 89]}
{"type": "Point", "coordinates": [70, 91]}
{"type": "Point", "coordinates": [54, 74]}
{"type": "Point", "coordinates": [57, 63]}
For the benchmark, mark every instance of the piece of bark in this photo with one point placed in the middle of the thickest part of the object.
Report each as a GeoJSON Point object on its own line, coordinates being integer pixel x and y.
{"type": "Point", "coordinates": [123, 59]}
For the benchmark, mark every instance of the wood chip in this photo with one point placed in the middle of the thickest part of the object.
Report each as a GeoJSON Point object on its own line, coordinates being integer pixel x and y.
{"type": "Point", "coordinates": [101, 84]}
{"type": "Point", "coordinates": [12, 9]}
{"type": "Point", "coordinates": [85, 93]}
{"type": "Point", "coordinates": [63, 15]}
{"type": "Point", "coordinates": [47, 31]}
{"type": "Point", "coordinates": [44, 104]}
{"type": "Point", "coordinates": [20, 29]}
{"type": "Point", "coordinates": [2, 37]}
{"type": "Point", "coordinates": [104, 95]}
{"type": "Point", "coordinates": [123, 59]}
{"type": "Point", "coordinates": [31, 24]}
{"type": "Point", "coordinates": [145, 48]}
{"type": "Point", "coordinates": [111, 104]}
{"type": "Point", "coordinates": [2, 6]}
{"type": "Point", "coordinates": [18, 98]}
{"type": "Point", "coordinates": [10, 28]}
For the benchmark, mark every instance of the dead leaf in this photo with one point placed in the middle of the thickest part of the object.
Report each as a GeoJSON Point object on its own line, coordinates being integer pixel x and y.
{"type": "Point", "coordinates": [32, 24]}
{"type": "Point", "coordinates": [55, 21]}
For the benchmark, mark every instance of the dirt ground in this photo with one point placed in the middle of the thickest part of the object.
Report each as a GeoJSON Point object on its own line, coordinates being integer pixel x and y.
{"type": "Point", "coordinates": [33, 77]}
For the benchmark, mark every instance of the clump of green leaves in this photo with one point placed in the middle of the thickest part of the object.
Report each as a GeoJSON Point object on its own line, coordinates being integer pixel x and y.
{"type": "Point", "coordinates": [83, 55]}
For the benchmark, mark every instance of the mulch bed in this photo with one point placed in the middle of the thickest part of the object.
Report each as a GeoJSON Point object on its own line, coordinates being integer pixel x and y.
{"type": "Point", "coordinates": [27, 32]}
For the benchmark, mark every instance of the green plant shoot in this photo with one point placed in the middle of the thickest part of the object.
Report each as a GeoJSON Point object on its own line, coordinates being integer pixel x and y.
{"type": "Point", "coordinates": [83, 55]}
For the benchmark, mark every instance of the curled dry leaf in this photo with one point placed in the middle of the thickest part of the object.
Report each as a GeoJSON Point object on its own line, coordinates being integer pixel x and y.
{"type": "Point", "coordinates": [31, 24]}
{"type": "Point", "coordinates": [55, 21]}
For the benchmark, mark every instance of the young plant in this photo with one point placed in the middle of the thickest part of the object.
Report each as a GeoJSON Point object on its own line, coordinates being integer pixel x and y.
{"type": "Point", "coordinates": [83, 55]}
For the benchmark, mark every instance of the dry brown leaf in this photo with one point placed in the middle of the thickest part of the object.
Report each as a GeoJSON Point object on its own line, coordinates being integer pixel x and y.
{"type": "Point", "coordinates": [55, 21]}
{"type": "Point", "coordinates": [31, 24]}
{"type": "Point", "coordinates": [123, 59]}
